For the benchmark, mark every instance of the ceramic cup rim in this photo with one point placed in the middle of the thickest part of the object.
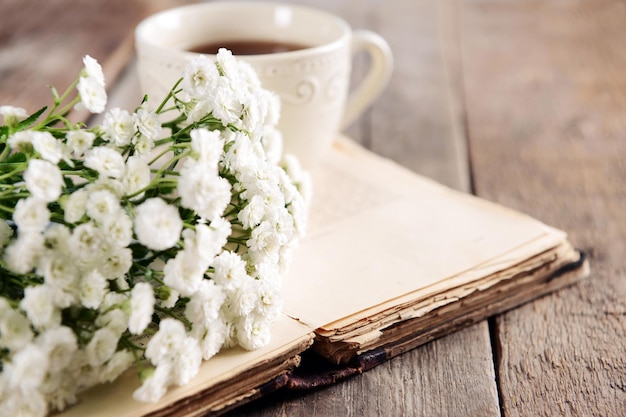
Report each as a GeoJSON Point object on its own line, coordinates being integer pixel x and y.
{"type": "Point", "coordinates": [147, 25]}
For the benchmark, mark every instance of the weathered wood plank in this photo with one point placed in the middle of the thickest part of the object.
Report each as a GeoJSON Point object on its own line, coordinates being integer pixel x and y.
{"type": "Point", "coordinates": [546, 99]}
{"type": "Point", "coordinates": [42, 43]}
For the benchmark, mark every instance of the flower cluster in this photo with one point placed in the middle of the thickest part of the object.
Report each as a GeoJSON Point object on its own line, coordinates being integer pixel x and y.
{"type": "Point", "coordinates": [141, 242]}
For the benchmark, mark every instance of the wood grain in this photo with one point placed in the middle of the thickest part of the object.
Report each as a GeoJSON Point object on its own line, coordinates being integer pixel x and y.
{"type": "Point", "coordinates": [546, 102]}
{"type": "Point", "coordinates": [42, 43]}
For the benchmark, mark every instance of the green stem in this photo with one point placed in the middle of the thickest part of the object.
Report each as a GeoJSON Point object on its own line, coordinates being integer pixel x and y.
{"type": "Point", "coordinates": [170, 313]}
{"type": "Point", "coordinates": [170, 94]}
{"type": "Point", "coordinates": [19, 170]}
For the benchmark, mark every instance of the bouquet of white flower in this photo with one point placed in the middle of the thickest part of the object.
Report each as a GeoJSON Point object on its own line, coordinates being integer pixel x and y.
{"type": "Point", "coordinates": [141, 243]}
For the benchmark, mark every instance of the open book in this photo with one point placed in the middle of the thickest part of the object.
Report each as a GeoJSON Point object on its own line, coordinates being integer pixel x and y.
{"type": "Point", "coordinates": [391, 261]}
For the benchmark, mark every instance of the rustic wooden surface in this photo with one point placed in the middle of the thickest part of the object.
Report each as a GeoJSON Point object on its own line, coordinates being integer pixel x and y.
{"type": "Point", "coordinates": [522, 102]}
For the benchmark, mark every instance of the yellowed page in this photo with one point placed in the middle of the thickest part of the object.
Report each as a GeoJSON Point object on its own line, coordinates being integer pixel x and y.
{"type": "Point", "coordinates": [379, 232]}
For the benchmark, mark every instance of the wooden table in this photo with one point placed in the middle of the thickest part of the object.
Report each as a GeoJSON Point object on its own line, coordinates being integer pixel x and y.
{"type": "Point", "coordinates": [522, 102]}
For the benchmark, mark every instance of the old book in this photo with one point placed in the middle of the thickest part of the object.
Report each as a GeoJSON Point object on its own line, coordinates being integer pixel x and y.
{"type": "Point", "coordinates": [392, 260]}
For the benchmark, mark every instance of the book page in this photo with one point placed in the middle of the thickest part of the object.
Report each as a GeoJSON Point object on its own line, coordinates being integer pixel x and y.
{"type": "Point", "coordinates": [379, 232]}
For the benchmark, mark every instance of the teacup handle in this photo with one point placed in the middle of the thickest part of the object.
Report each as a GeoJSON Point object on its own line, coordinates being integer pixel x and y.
{"type": "Point", "coordinates": [377, 77]}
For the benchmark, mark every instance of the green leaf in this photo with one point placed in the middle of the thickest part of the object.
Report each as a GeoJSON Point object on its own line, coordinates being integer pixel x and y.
{"type": "Point", "coordinates": [31, 119]}
{"type": "Point", "coordinates": [17, 157]}
{"type": "Point", "coordinates": [4, 133]}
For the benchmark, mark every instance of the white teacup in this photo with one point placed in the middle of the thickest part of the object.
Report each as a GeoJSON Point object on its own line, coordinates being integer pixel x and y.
{"type": "Point", "coordinates": [312, 82]}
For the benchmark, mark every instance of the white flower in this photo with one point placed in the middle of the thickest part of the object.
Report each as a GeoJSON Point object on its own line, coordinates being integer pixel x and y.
{"type": "Point", "coordinates": [116, 262]}
{"type": "Point", "coordinates": [225, 102]}
{"type": "Point", "coordinates": [21, 141]}
{"type": "Point", "coordinates": [15, 332]}
{"type": "Point", "coordinates": [260, 179]}
{"type": "Point", "coordinates": [136, 177]}
{"type": "Point", "coordinates": [74, 207]}
{"type": "Point", "coordinates": [25, 403]}
{"type": "Point", "coordinates": [59, 344]}
{"type": "Point", "coordinates": [104, 183]}
{"type": "Point", "coordinates": [92, 289]}
{"type": "Point", "coordinates": [283, 226]}
{"type": "Point", "coordinates": [21, 372]}
{"type": "Point", "coordinates": [209, 240]}
{"type": "Point", "coordinates": [272, 100]}
{"type": "Point", "coordinates": [93, 96]}
{"type": "Point", "coordinates": [118, 127]}
{"type": "Point", "coordinates": [264, 239]}
{"type": "Point", "coordinates": [198, 109]}
{"type": "Point", "coordinates": [113, 300]}
{"type": "Point", "coordinates": [270, 300]}
{"type": "Point", "coordinates": [253, 332]}
{"type": "Point", "coordinates": [122, 284]}
{"type": "Point", "coordinates": [58, 271]}
{"type": "Point", "coordinates": [101, 346]}
{"type": "Point", "coordinates": [187, 361]}
{"type": "Point", "coordinates": [155, 386]}
{"type": "Point", "coordinates": [199, 76]}
{"type": "Point", "coordinates": [115, 320]}
{"type": "Point", "coordinates": [22, 254]}
{"type": "Point", "coordinates": [172, 297]}
{"type": "Point", "coordinates": [230, 269]}
{"type": "Point", "coordinates": [166, 343]}
{"type": "Point", "coordinates": [227, 65]}
{"type": "Point", "coordinates": [93, 70]}
{"type": "Point", "coordinates": [202, 191]}
{"type": "Point", "coordinates": [204, 305]}
{"type": "Point", "coordinates": [106, 161]}
{"type": "Point", "coordinates": [243, 298]}
{"type": "Point", "coordinates": [240, 155]}
{"type": "Point", "coordinates": [43, 179]}
{"type": "Point", "coordinates": [12, 115]}
{"type": "Point", "coordinates": [56, 238]}
{"type": "Point", "coordinates": [80, 141]}
{"type": "Point", "coordinates": [60, 388]}
{"type": "Point", "coordinates": [158, 224]}
{"type": "Point", "coordinates": [208, 146]}
{"type": "Point", "coordinates": [119, 362]}
{"type": "Point", "coordinates": [301, 178]}
{"type": "Point", "coordinates": [50, 148]}
{"type": "Point", "coordinates": [118, 229]}
{"type": "Point", "coordinates": [211, 337]}
{"type": "Point", "coordinates": [201, 245]}
{"type": "Point", "coordinates": [147, 123]}
{"type": "Point", "coordinates": [184, 273]}
{"type": "Point", "coordinates": [253, 213]}
{"type": "Point", "coordinates": [31, 215]}
{"type": "Point", "coordinates": [273, 144]}
{"type": "Point", "coordinates": [38, 306]}
{"type": "Point", "coordinates": [253, 112]}
{"type": "Point", "coordinates": [141, 307]}
{"type": "Point", "coordinates": [86, 244]}
{"type": "Point", "coordinates": [143, 145]}
{"type": "Point", "coordinates": [102, 206]}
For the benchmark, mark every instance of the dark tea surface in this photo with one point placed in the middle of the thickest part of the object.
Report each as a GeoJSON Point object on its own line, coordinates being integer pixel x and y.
{"type": "Point", "coordinates": [248, 47]}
